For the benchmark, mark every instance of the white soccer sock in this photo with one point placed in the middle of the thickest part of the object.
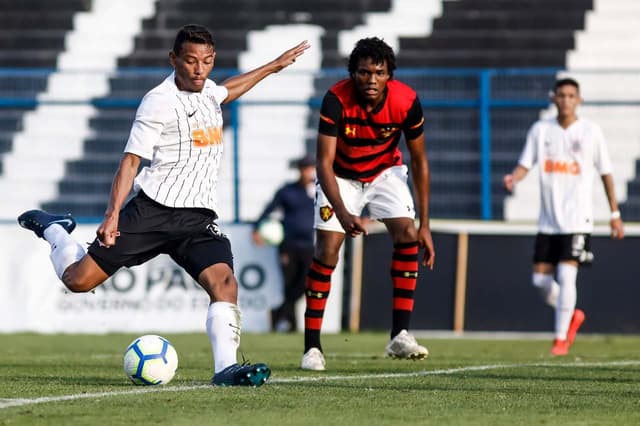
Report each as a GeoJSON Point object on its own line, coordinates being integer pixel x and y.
{"type": "Point", "coordinates": [65, 250]}
{"type": "Point", "coordinates": [223, 327]}
{"type": "Point", "coordinates": [567, 297]}
{"type": "Point", "coordinates": [548, 288]}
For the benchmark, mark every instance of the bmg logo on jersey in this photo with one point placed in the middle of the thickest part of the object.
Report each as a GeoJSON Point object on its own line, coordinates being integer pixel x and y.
{"type": "Point", "coordinates": [572, 168]}
{"type": "Point", "coordinates": [208, 136]}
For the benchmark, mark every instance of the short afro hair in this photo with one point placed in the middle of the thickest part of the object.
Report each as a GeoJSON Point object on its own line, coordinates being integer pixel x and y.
{"type": "Point", "coordinates": [374, 48]}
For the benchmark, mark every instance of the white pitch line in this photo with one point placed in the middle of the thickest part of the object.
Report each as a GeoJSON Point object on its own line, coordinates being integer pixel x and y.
{"type": "Point", "coordinates": [299, 379]}
{"type": "Point", "coordinates": [19, 402]}
{"type": "Point", "coordinates": [7, 402]}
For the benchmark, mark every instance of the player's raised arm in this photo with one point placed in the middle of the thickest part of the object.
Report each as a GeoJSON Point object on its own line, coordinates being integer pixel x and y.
{"type": "Point", "coordinates": [240, 84]}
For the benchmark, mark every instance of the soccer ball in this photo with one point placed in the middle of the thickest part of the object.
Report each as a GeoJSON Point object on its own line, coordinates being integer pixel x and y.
{"type": "Point", "coordinates": [150, 360]}
{"type": "Point", "coordinates": [271, 232]}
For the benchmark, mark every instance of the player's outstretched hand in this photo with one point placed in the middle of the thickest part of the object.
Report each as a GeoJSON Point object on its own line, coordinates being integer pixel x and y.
{"type": "Point", "coordinates": [426, 242]}
{"type": "Point", "coordinates": [290, 56]}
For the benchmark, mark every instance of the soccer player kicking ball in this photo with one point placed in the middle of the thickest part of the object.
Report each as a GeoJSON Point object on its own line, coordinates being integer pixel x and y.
{"type": "Point", "coordinates": [568, 152]}
{"type": "Point", "coordinates": [178, 126]}
{"type": "Point", "coordinates": [360, 164]}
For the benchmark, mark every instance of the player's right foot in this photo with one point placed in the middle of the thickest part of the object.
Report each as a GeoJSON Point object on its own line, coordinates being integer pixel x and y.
{"type": "Point", "coordinates": [405, 346]}
{"type": "Point", "coordinates": [38, 220]}
{"type": "Point", "coordinates": [560, 347]}
{"type": "Point", "coordinates": [576, 321]}
{"type": "Point", "coordinates": [242, 375]}
{"type": "Point", "coordinates": [313, 360]}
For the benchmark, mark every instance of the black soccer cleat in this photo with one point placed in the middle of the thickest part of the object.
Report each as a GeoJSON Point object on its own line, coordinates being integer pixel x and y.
{"type": "Point", "coordinates": [38, 220]}
{"type": "Point", "coordinates": [242, 375]}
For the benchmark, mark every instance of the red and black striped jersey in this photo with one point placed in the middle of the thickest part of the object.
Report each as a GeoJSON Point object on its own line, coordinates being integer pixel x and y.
{"type": "Point", "coordinates": [367, 142]}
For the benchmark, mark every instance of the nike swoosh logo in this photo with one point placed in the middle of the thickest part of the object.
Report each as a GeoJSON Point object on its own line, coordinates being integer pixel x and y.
{"type": "Point", "coordinates": [69, 222]}
{"type": "Point", "coordinates": [192, 114]}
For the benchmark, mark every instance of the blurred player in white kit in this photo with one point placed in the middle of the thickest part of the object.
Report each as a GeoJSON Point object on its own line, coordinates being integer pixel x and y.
{"type": "Point", "coordinates": [568, 151]}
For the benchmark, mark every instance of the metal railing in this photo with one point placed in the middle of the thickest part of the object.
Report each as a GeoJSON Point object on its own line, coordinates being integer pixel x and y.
{"type": "Point", "coordinates": [480, 90]}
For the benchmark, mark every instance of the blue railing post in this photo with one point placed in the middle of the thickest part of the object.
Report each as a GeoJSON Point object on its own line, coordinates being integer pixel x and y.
{"type": "Point", "coordinates": [485, 143]}
{"type": "Point", "coordinates": [235, 129]}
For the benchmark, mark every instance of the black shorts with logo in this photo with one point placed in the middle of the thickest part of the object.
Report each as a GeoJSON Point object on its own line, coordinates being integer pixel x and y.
{"type": "Point", "coordinates": [553, 248]}
{"type": "Point", "coordinates": [189, 235]}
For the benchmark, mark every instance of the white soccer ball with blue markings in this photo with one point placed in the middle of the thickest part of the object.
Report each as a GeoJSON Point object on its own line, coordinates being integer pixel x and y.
{"type": "Point", "coordinates": [150, 360]}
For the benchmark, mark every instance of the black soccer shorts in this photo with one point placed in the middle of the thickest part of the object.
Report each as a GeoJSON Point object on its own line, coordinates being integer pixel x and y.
{"type": "Point", "coordinates": [189, 235]}
{"type": "Point", "coordinates": [553, 248]}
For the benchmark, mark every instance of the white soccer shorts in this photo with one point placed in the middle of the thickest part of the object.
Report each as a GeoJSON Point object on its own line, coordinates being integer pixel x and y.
{"type": "Point", "coordinates": [388, 196]}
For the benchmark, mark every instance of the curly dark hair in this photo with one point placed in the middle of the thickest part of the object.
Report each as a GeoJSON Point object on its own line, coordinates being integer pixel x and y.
{"type": "Point", "coordinates": [192, 33]}
{"type": "Point", "coordinates": [374, 48]}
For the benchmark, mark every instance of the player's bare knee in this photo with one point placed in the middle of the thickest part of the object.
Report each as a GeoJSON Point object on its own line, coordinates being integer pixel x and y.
{"type": "Point", "coordinates": [327, 255]}
{"type": "Point", "coordinates": [76, 281]}
{"type": "Point", "coordinates": [406, 234]}
{"type": "Point", "coordinates": [220, 283]}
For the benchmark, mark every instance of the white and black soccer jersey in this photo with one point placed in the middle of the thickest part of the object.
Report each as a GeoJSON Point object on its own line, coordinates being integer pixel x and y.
{"type": "Point", "coordinates": [568, 160]}
{"type": "Point", "coordinates": [181, 133]}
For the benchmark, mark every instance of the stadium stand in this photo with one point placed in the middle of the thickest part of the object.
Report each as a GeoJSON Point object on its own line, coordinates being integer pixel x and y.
{"type": "Point", "coordinates": [28, 40]}
{"type": "Point", "coordinates": [605, 62]}
{"type": "Point", "coordinates": [474, 34]}
{"type": "Point", "coordinates": [53, 132]}
{"type": "Point", "coordinates": [438, 34]}
{"type": "Point", "coordinates": [496, 34]}
{"type": "Point", "coordinates": [85, 186]}
{"type": "Point", "coordinates": [34, 40]}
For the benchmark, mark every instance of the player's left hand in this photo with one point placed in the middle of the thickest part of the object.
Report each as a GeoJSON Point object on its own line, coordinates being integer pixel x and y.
{"type": "Point", "coordinates": [617, 229]}
{"type": "Point", "coordinates": [426, 242]}
{"type": "Point", "coordinates": [290, 56]}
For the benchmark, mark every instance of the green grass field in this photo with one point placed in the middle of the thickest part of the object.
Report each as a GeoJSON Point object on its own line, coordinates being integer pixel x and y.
{"type": "Point", "coordinates": [78, 380]}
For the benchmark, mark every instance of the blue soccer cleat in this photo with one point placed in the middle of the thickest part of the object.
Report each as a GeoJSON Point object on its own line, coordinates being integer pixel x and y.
{"type": "Point", "coordinates": [242, 375]}
{"type": "Point", "coordinates": [38, 220]}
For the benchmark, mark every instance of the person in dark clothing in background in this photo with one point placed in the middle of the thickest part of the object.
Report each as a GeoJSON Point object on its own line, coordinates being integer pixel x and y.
{"type": "Point", "coordinates": [295, 202]}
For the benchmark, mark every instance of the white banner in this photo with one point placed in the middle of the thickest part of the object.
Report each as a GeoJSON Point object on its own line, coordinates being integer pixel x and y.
{"type": "Point", "coordinates": [157, 296]}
